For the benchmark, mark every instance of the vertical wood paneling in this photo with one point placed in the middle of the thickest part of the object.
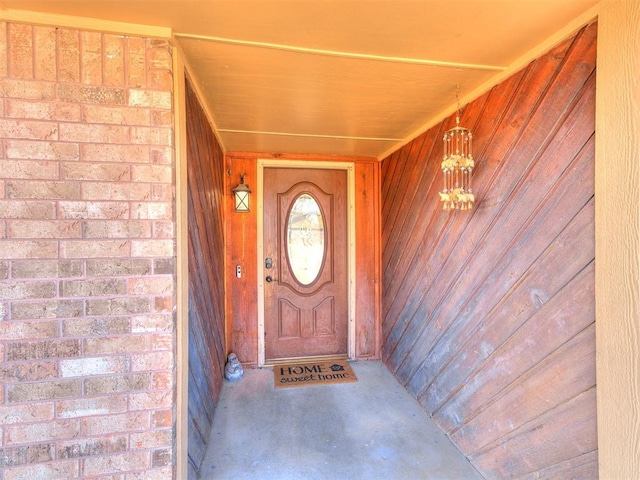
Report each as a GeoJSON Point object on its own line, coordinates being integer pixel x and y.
{"type": "Point", "coordinates": [205, 164]}
{"type": "Point", "coordinates": [488, 315]}
{"type": "Point", "coordinates": [367, 260]}
{"type": "Point", "coordinates": [242, 294]}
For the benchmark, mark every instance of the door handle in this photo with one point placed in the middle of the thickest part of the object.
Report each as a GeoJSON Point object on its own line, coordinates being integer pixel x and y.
{"type": "Point", "coordinates": [269, 278]}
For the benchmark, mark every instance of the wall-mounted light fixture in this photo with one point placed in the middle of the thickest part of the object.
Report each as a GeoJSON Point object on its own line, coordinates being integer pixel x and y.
{"type": "Point", "coordinates": [241, 196]}
{"type": "Point", "coordinates": [457, 166]}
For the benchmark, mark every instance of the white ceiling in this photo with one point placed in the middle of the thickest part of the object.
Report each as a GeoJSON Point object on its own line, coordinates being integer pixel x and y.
{"type": "Point", "coordinates": [339, 77]}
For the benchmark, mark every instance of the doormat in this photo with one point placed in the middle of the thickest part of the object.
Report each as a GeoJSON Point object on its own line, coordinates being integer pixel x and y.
{"type": "Point", "coordinates": [316, 373]}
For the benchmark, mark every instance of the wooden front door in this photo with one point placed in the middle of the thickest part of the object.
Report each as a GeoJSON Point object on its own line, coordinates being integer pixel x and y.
{"type": "Point", "coordinates": [305, 262]}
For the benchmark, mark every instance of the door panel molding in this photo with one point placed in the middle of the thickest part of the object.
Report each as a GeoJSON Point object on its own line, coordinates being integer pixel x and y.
{"type": "Point", "coordinates": [349, 167]}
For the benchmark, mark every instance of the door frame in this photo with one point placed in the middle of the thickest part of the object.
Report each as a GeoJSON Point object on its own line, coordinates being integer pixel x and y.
{"type": "Point", "coordinates": [349, 167]}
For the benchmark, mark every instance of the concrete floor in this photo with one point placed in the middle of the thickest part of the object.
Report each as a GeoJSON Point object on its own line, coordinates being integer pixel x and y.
{"type": "Point", "coordinates": [371, 429]}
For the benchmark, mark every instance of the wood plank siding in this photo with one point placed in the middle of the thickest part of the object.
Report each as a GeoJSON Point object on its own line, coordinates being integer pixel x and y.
{"type": "Point", "coordinates": [205, 162]}
{"type": "Point", "coordinates": [488, 315]}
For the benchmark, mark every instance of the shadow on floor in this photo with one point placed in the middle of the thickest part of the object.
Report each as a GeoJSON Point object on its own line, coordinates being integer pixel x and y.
{"type": "Point", "coordinates": [371, 429]}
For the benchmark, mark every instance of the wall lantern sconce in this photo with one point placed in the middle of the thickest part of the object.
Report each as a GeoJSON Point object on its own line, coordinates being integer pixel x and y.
{"type": "Point", "coordinates": [457, 167]}
{"type": "Point", "coordinates": [241, 196]}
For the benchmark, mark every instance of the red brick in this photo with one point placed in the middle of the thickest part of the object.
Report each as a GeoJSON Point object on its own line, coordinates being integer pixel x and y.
{"type": "Point", "coordinates": [94, 249]}
{"type": "Point", "coordinates": [141, 362]}
{"type": "Point", "coordinates": [116, 115]}
{"type": "Point", "coordinates": [93, 210]}
{"type": "Point", "coordinates": [24, 455]}
{"type": "Point", "coordinates": [162, 380]}
{"type": "Point", "coordinates": [20, 51]}
{"type": "Point", "coordinates": [162, 341]}
{"type": "Point", "coordinates": [152, 210]}
{"type": "Point", "coordinates": [159, 79]}
{"type": "Point", "coordinates": [43, 350]}
{"type": "Point", "coordinates": [107, 424]}
{"type": "Point", "coordinates": [157, 399]}
{"type": "Point", "coordinates": [91, 287]}
{"type": "Point", "coordinates": [46, 190]}
{"type": "Point", "coordinates": [13, 372]}
{"type": "Point", "coordinates": [72, 132]}
{"type": "Point", "coordinates": [164, 266]}
{"type": "Point", "coordinates": [163, 418]}
{"type": "Point", "coordinates": [33, 90]}
{"type": "Point", "coordinates": [87, 447]}
{"type": "Point", "coordinates": [4, 270]}
{"type": "Point", "coordinates": [28, 129]}
{"type": "Point", "coordinates": [58, 470]}
{"type": "Point", "coordinates": [91, 94]}
{"type": "Point", "coordinates": [27, 392]}
{"type": "Point", "coordinates": [117, 383]}
{"type": "Point", "coordinates": [27, 209]}
{"type": "Point", "coordinates": [42, 432]}
{"type": "Point", "coordinates": [15, 330]}
{"type": "Point", "coordinates": [68, 55]}
{"type": "Point", "coordinates": [24, 414]}
{"type": "Point", "coordinates": [152, 248]}
{"type": "Point", "coordinates": [27, 169]}
{"type": "Point", "coordinates": [114, 153]}
{"type": "Point", "coordinates": [116, 229]}
{"type": "Point", "coordinates": [152, 173]}
{"type": "Point", "coordinates": [56, 111]}
{"type": "Point", "coordinates": [119, 344]}
{"type": "Point", "coordinates": [151, 323]}
{"type": "Point", "coordinates": [163, 304]}
{"type": "Point", "coordinates": [91, 58]}
{"type": "Point", "coordinates": [46, 268]}
{"type": "Point", "coordinates": [44, 229]}
{"type": "Point", "coordinates": [108, 172]}
{"type": "Point", "coordinates": [116, 267]}
{"type": "Point", "coordinates": [136, 61]}
{"type": "Point", "coordinates": [162, 118]}
{"type": "Point", "coordinates": [87, 327]}
{"type": "Point", "coordinates": [162, 193]}
{"type": "Point", "coordinates": [45, 53]}
{"type": "Point", "coordinates": [152, 285]}
{"type": "Point", "coordinates": [150, 98]}
{"type": "Point", "coordinates": [36, 150]}
{"type": "Point", "coordinates": [88, 366]}
{"type": "Point", "coordinates": [4, 67]}
{"type": "Point", "coordinates": [152, 474]}
{"type": "Point", "coordinates": [113, 61]}
{"type": "Point", "coordinates": [159, 58]}
{"type": "Point", "coordinates": [123, 462]}
{"type": "Point", "coordinates": [161, 155]}
{"type": "Point", "coordinates": [115, 191]}
{"type": "Point", "coordinates": [163, 230]}
{"type": "Point", "coordinates": [152, 439]}
{"type": "Point", "coordinates": [95, 406]}
{"type": "Point", "coordinates": [151, 135]}
{"type": "Point", "coordinates": [46, 309]}
{"type": "Point", "coordinates": [18, 249]}
{"type": "Point", "coordinates": [162, 457]}
{"type": "Point", "coordinates": [23, 290]}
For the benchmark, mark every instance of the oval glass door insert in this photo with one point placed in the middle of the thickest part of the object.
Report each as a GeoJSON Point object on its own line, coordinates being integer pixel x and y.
{"type": "Point", "coordinates": [305, 239]}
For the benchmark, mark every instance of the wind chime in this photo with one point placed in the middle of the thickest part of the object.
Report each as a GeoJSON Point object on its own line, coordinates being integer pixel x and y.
{"type": "Point", "coordinates": [457, 166]}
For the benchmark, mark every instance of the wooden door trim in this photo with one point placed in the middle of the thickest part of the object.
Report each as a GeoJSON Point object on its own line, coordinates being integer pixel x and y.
{"type": "Point", "coordinates": [349, 167]}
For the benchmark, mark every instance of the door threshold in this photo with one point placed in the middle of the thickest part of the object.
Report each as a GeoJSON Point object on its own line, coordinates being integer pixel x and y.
{"type": "Point", "coordinates": [320, 358]}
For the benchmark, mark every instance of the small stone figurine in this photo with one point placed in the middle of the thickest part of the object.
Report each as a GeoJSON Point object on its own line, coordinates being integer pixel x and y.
{"type": "Point", "coordinates": [233, 369]}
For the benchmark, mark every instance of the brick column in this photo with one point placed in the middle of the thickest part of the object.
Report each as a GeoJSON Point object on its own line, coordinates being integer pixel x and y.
{"type": "Point", "coordinates": [87, 253]}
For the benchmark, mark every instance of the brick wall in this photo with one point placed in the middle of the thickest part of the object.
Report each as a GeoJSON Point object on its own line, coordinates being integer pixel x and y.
{"type": "Point", "coordinates": [87, 287]}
